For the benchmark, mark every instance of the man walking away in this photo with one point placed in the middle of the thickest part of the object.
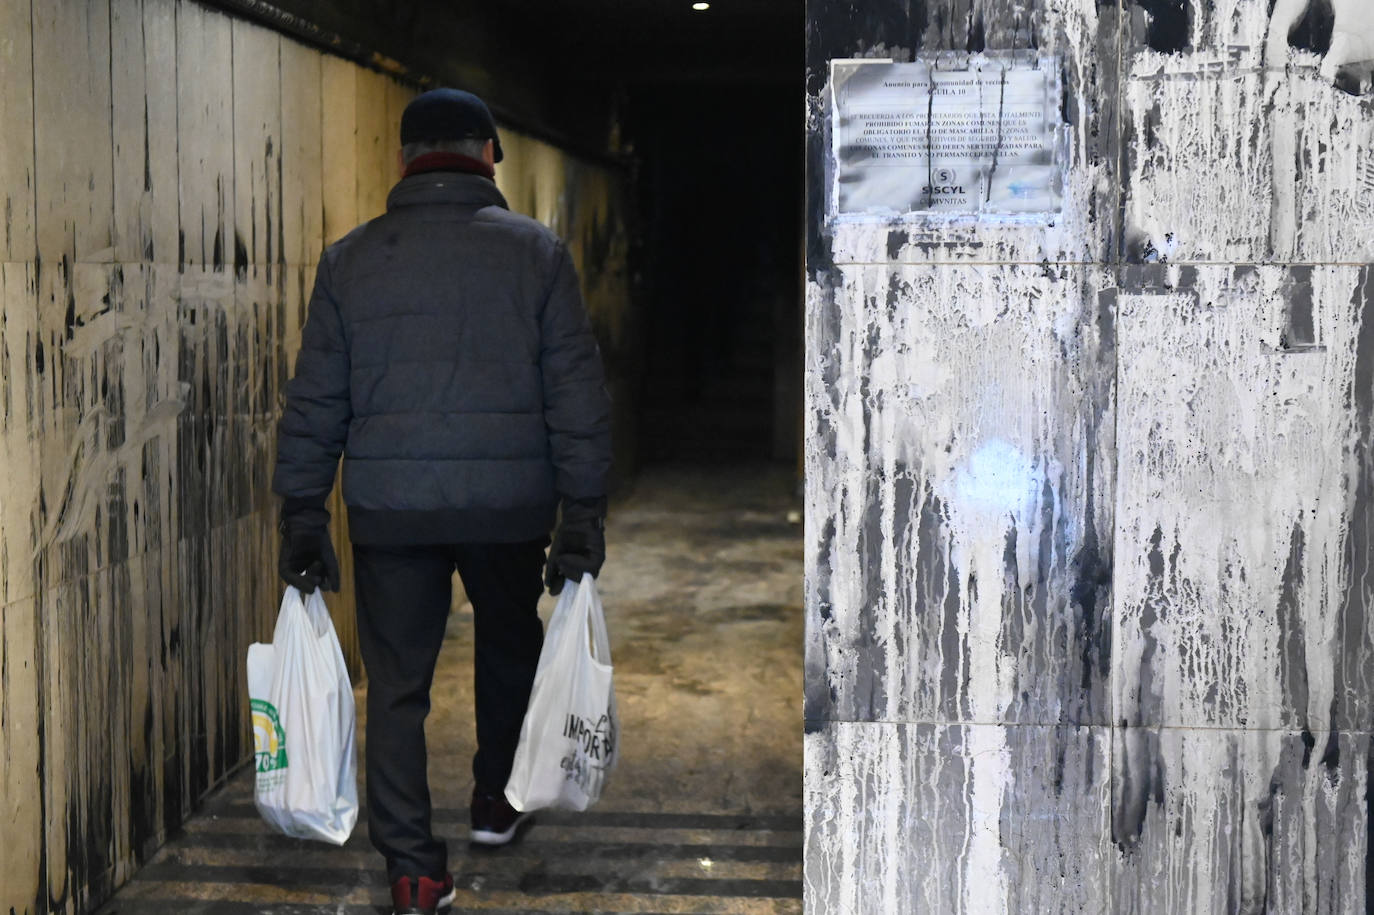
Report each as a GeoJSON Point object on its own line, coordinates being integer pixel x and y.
{"type": "Point", "coordinates": [448, 358]}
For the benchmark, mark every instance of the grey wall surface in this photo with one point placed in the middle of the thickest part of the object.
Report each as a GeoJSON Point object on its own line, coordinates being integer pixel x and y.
{"type": "Point", "coordinates": [1089, 502]}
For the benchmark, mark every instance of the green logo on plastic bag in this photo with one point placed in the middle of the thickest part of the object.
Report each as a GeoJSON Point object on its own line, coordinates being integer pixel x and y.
{"type": "Point", "coordinates": [269, 740]}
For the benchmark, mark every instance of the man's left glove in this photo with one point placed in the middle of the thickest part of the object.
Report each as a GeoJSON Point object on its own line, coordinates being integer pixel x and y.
{"type": "Point", "coordinates": [307, 559]}
{"type": "Point", "coordinates": [580, 544]}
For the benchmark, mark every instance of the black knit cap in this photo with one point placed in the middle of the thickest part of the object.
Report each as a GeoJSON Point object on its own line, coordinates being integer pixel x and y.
{"type": "Point", "coordinates": [448, 114]}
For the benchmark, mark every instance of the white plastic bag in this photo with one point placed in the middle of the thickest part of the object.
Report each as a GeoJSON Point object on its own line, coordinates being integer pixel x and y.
{"type": "Point", "coordinates": [569, 742]}
{"type": "Point", "coordinates": [303, 725]}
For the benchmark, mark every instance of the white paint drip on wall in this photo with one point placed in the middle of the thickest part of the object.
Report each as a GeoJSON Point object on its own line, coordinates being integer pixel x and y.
{"type": "Point", "coordinates": [958, 383]}
{"type": "Point", "coordinates": [1247, 821]}
{"type": "Point", "coordinates": [1219, 178]}
{"type": "Point", "coordinates": [156, 401]}
{"type": "Point", "coordinates": [871, 849]}
{"type": "Point", "coordinates": [936, 381]}
{"type": "Point", "coordinates": [1228, 445]}
{"type": "Point", "coordinates": [944, 385]}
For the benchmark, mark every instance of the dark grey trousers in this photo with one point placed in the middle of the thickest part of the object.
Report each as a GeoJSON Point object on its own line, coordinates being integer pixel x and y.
{"type": "Point", "coordinates": [404, 594]}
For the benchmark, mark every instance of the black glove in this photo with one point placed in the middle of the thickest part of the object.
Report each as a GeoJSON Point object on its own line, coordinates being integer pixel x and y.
{"type": "Point", "coordinates": [580, 544]}
{"type": "Point", "coordinates": [307, 559]}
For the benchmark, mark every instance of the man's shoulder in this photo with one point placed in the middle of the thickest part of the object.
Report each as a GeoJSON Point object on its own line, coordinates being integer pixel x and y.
{"type": "Point", "coordinates": [335, 249]}
{"type": "Point", "coordinates": [518, 223]}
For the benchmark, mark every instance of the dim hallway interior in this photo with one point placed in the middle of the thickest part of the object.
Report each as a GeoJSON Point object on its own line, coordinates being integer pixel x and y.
{"type": "Point", "coordinates": [170, 172]}
{"type": "Point", "coordinates": [702, 589]}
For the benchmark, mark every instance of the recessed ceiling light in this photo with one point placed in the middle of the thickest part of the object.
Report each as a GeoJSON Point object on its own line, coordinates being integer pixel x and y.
{"type": "Point", "coordinates": [701, 7]}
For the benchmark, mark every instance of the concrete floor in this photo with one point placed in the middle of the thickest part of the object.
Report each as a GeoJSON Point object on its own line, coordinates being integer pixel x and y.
{"type": "Point", "coordinates": [703, 594]}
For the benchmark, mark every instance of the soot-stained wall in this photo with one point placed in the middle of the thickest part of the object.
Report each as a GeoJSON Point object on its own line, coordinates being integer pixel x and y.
{"type": "Point", "coordinates": [1089, 499]}
{"type": "Point", "coordinates": [168, 177]}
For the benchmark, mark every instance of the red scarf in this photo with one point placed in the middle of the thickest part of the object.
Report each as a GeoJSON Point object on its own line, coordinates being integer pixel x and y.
{"type": "Point", "coordinates": [448, 162]}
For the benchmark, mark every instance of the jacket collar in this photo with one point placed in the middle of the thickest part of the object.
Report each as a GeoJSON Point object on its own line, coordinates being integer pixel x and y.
{"type": "Point", "coordinates": [428, 188]}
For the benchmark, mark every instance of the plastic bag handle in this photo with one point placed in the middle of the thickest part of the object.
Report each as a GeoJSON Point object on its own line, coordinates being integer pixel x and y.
{"type": "Point", "coordinates": [292, 608]}
{"type": "Point", "coordinates": [318, 613]}
{"type": "Point", "coordinates": [595, 620]}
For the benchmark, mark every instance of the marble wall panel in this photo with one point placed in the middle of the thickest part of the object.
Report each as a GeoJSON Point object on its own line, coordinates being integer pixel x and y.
{"type": "Point", "coordinates": [1298, 181]}
{"type": "Point", "coordinates": [1209, 820]}
{"type": "Point", "coordinates": [960, 420]}
{"type": "Point", "coordinates": [339, 150]}
{"type": "Point", "coordinates": [302, 149]}
{"type": "Point", "coordinates": [20, 351]}
{"type": "Point", "coordinates": [17, 201]}
{"type": "Point", "coordinates": [87, 727]}
{"type": "Point", "coordinates": [257, 95]}
{"type": "Point", "coordinates": [21, 754]}
{"type": "Point", "coordinates": [73, 185]}
{"type": "Point", "coordinates": [1238, 148]}
{"type": "Point", "coordinates": [994, 819]}
{"type": "Point", "coordinates": [376, 144]}
{"type": "Point", "coordinates": [397, 96]}
{"type": "Point", "coordinates": [1235, 496]}
{"type": "Point", "coordinates": [80, 424]}
{"type": "Point", "coordinates": [205, 136]}
{"type": "Point", "coordinates": [533, 178]}
{"type": "Point", "coordinates": [143, 94]}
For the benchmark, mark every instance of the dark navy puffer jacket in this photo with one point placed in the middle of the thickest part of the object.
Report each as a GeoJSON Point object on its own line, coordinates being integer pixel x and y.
{"type": "Point", "coordinates": [448, 357]}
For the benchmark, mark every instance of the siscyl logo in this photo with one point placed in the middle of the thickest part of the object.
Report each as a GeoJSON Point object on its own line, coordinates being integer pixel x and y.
{"type": "Point", "coordinates": [942, 182]}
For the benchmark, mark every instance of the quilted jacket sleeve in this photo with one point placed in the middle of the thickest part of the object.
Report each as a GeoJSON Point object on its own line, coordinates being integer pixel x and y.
{"type": "Point", "coordinates": [314, 424]}
{"type": "Point", "coordinates": [577, 408]}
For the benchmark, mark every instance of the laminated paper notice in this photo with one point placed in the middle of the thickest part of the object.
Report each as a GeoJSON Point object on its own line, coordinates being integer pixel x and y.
{"type": "Point", "coordinates": [981, 138]}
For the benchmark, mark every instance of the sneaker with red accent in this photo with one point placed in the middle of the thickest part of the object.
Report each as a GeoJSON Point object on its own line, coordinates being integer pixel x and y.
{"type": "Point", "coordinates": [494, 820]}
{"type": "Point", "coordinates": [421, 895]}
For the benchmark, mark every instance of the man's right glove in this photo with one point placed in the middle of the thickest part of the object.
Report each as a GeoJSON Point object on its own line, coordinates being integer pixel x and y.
{"type": "Point", "coordinates": [580, 544]}
{"type": "Point", "coordinates": [307, 559]}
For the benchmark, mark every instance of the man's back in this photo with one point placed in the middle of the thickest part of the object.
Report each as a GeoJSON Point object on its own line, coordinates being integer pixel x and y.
{"type": "Point", "coordinates": [466, 349]}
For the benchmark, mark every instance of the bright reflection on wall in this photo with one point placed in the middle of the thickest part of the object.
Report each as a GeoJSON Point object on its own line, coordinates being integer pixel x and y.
{"type": "Point", "coordinates": [996, 480]}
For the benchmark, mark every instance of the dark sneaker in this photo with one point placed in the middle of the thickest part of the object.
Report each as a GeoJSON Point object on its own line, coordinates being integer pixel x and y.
{"type": "Point", "coordinates": [494, 821]}
{"type": "Point", "coordinates": [421, 895]}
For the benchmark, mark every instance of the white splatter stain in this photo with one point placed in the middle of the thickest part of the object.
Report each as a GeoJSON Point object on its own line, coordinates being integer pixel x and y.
{"type": "Point", "coordinates": [1079, 528]}
{"type": "Point", "coordinates": [1229, 448]}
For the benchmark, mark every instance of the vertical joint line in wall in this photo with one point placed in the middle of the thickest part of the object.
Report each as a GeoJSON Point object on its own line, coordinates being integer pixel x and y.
{"type": "Point", "coordinates": [176, 120]}
{"type": "Point", "coordinates": [324, 174]}
{"type": "Point", "coordinates": [145, 234]}
{"type": "Point", "coordinates": [319, 134]}
{"type": "Point", "coordinates": [281, 175]}
{"type": "Point", "coordinates": [1114, 265]}
{"type": "Point", "coordinates": [232, 230]}
{"type": "Point", "coordinates": [33, 127]}
{"type": "Point", "coordinates": [1115, 136]}
{"type": "Point", "coordinates": [40, 667]}
{"type": "Point", "coordinates": [114, 169]}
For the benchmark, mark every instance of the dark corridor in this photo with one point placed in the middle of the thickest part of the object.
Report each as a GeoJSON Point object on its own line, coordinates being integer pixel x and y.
{"type": "Point", "coordinates": [718, 191]}
{"type": "Point", "coordinates": [705, 108]}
